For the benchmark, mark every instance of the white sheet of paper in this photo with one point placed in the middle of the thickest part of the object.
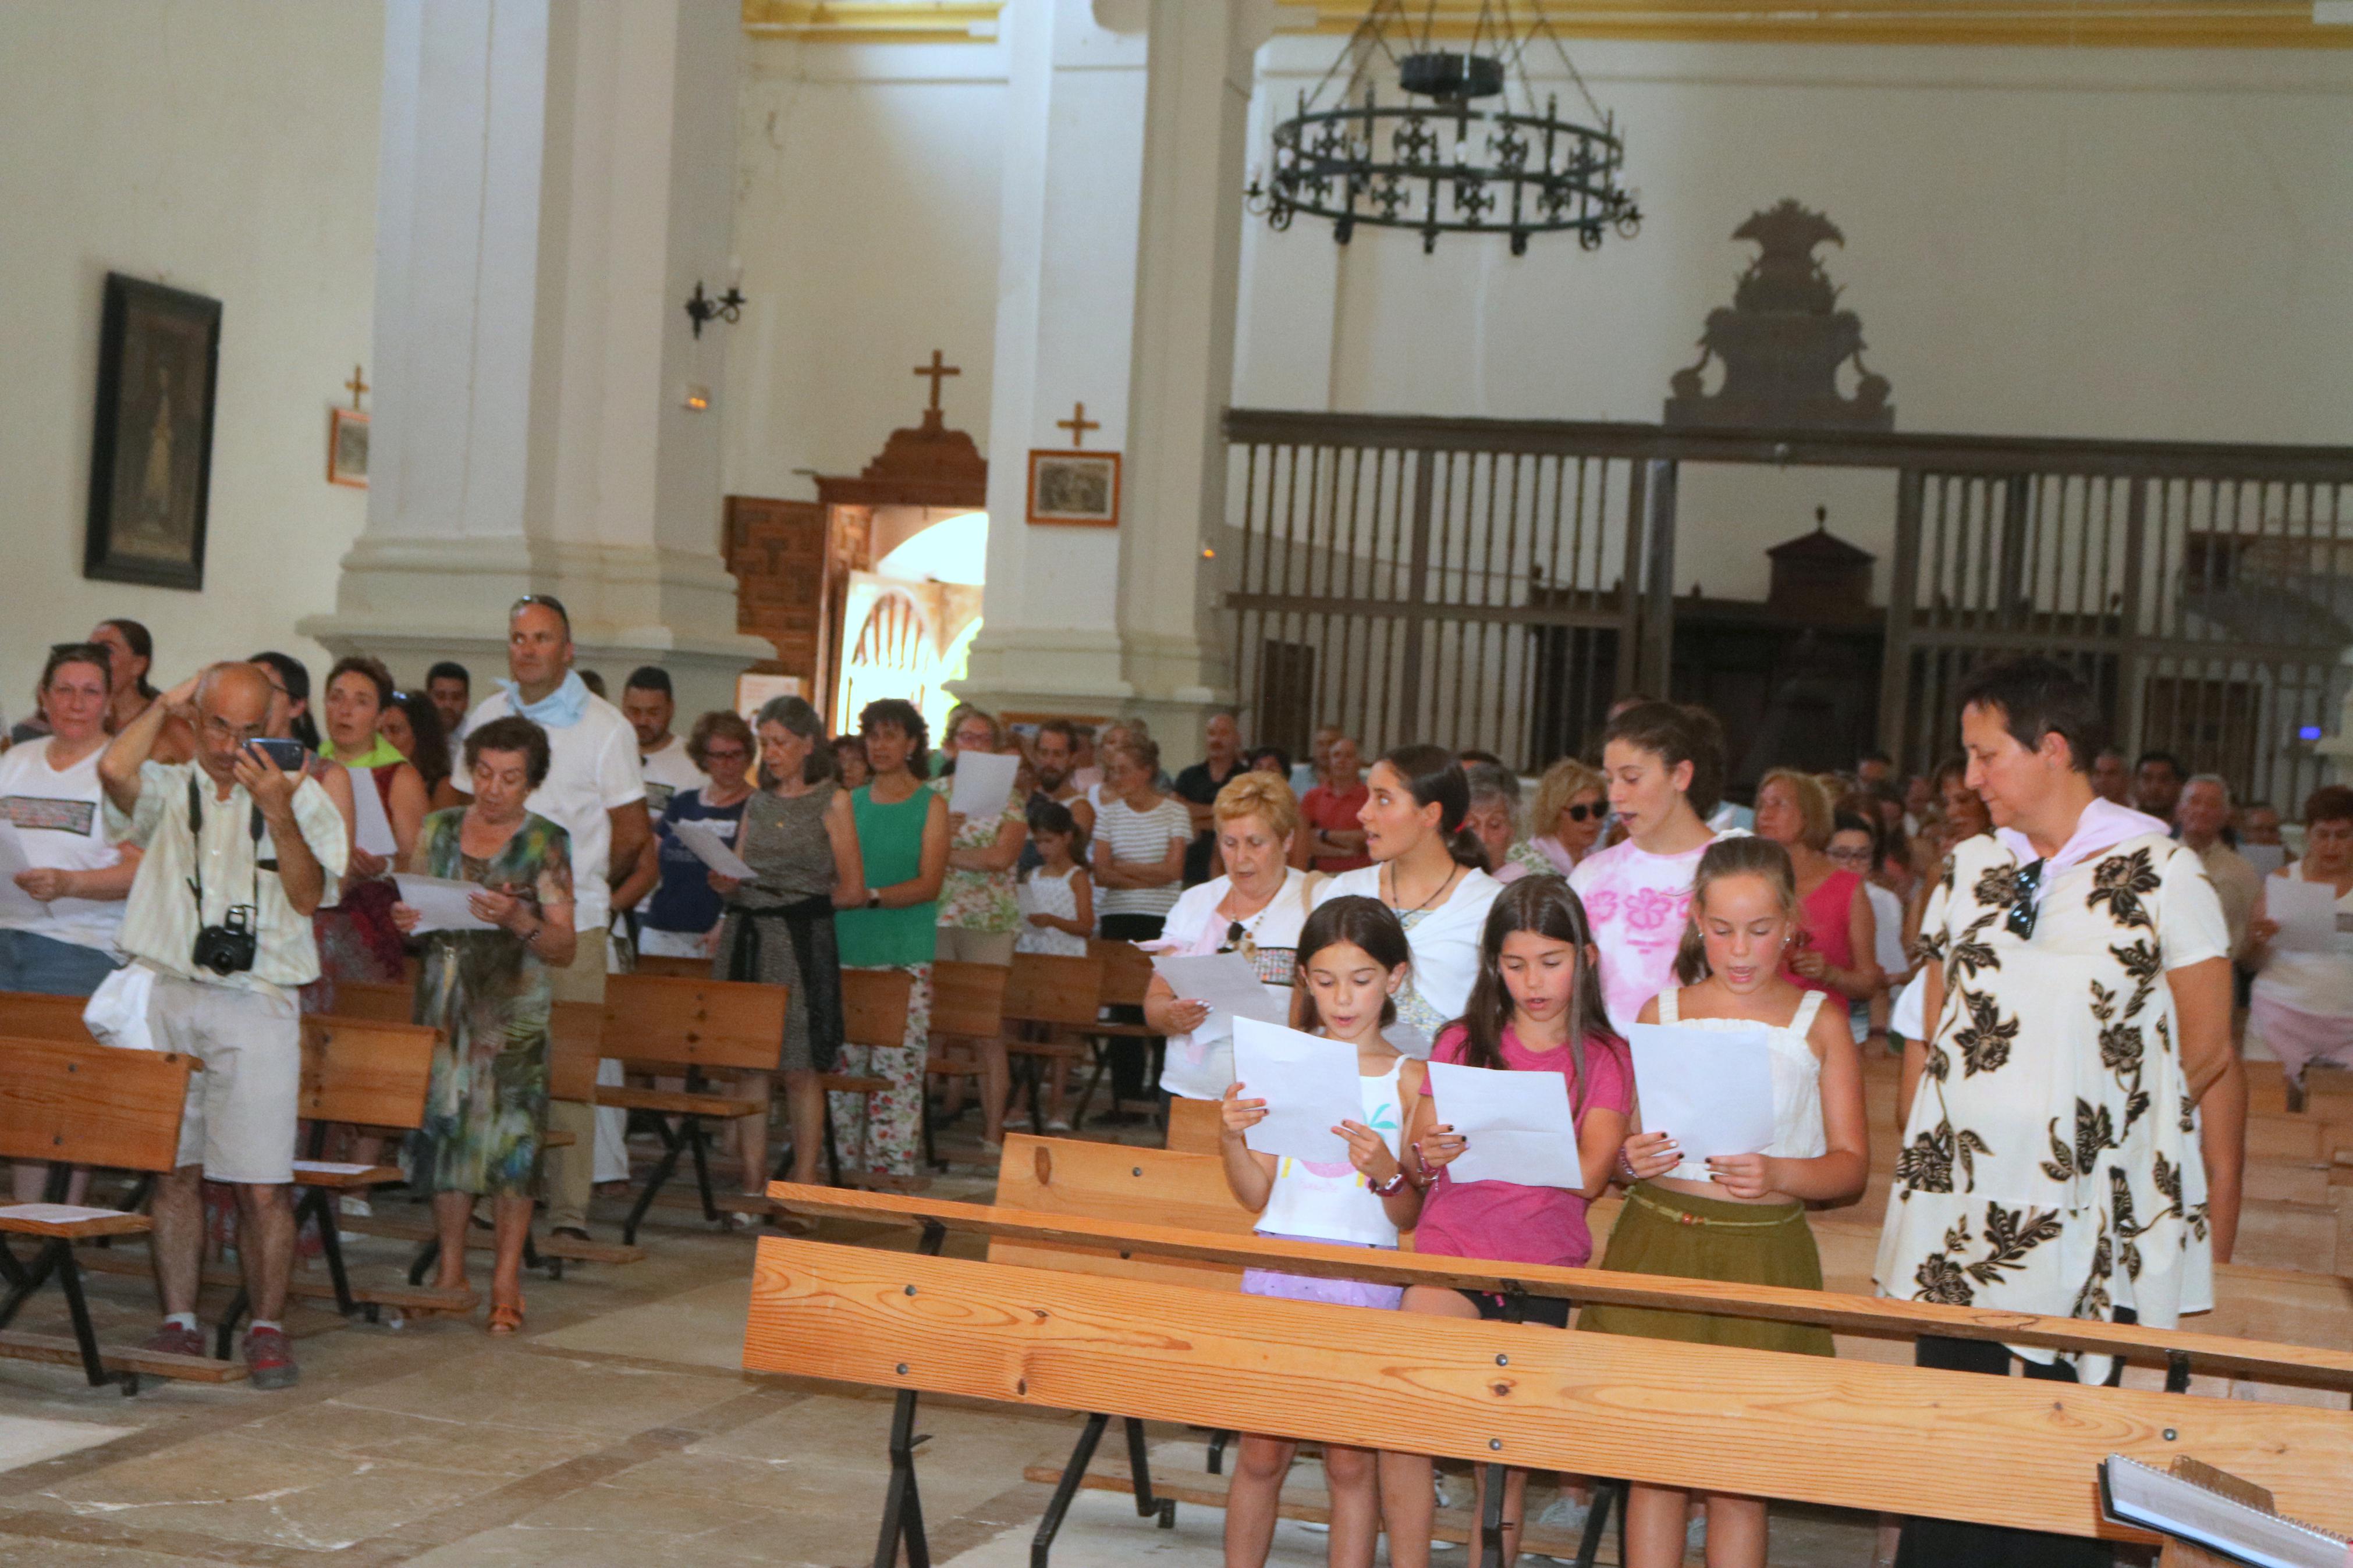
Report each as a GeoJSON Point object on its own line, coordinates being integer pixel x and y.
{"type": "Point", "coordinates": [1308, 1084]}
{"type": "Point", "coordinates": [1227, 984]}
{"type": "Point", "coordinates": [2306, 913]}
{"type": "Point", "coordinates": [713, 850]}
{"type": "Point", "coordinates": [15, 902]}
{"type": "Point", "coordinates": [2143, 1495]}
{"type": "Point", "coordinates": [440, 902]}
{"type": "Point", "coordinates": [984, 782]}
{"type": "Point", "coordinates": [371, 828]}
{"type": "Point", "coordinates": [1517, 1123]}
{"type": "Point", "coordinates": [1711, 1089]}
{"type": "Point", "coordinates": [2266, 858]}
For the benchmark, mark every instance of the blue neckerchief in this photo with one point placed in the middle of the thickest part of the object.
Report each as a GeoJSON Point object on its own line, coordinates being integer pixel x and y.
{"type": "Point", "coordinates": [559, 709]}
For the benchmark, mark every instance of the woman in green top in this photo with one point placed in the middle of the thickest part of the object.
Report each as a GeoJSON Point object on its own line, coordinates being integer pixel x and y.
{"type": "Point", "coordinates": [902, 839]}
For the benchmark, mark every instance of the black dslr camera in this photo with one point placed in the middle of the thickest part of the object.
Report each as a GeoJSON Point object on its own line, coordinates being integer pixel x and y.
{"type": "Point", "coordinates": [229, 947]}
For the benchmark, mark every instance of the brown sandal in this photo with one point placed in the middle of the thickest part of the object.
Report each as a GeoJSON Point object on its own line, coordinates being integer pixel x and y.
{"type": "Point", "coordinates": [506, 1317]}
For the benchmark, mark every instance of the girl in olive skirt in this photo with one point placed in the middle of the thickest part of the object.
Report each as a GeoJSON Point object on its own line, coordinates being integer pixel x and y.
{"type": "Point", "coordinates": [1737, 1218]}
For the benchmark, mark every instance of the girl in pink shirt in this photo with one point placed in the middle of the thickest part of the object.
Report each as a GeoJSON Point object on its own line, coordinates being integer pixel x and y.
{"type": "Point", "coordinates": [1536, 1006]}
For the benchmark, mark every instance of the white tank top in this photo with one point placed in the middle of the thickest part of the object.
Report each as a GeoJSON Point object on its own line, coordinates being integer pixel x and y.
{"type": "Point", "coordinates": [1316, 1201]}
{"type": "Point", "coordinates": [1798, 1132]}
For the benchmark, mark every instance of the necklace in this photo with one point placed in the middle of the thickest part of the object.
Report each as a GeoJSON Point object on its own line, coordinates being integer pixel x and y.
{"type": "Point", "coordinates": [1450, 875]}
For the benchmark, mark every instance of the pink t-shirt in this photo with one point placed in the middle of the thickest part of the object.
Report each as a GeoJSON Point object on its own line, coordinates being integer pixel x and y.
{"type": "Point", "coordinates": [1639, 904]}
{"type": "Point", "coordinates": [1504, 1220]}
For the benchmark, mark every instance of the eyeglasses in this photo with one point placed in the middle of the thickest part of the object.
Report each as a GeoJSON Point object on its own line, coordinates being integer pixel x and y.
{"type": "Point", "coordinates": [2028, 883]}
{"type": "Point", "coordinates": [725, 753]}
{"type": "Point", "coordinates": [1850, 857]}
{"type": "Point", "coordinates": [1583, 813]}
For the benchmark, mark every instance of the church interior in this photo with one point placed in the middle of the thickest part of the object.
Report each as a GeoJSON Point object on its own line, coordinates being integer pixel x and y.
{"type": "Point", "coordinates": [1249, 381]}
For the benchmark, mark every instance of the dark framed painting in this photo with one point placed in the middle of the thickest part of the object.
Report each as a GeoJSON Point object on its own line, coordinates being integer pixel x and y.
{"type": "Point", "coordinates": [1074, 489]}
{"type": "Point", "coordinates": [151, 444]}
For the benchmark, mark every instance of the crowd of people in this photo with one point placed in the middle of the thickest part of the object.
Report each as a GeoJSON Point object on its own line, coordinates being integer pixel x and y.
{"type": "Point", "coordinates": [2053, 943]}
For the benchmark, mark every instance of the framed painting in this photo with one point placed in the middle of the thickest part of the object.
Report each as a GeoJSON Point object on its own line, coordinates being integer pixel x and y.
{"type": "Point", "coordinates": [152, 443]}
{"type": "Point", "coordinates": [347, 448]}
{"type": "Point", "coordinates": [1077, 489]}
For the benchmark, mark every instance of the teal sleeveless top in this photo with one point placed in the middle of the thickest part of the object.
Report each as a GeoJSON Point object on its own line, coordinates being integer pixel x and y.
{"type": "Point", "coordinates": [890, 841]}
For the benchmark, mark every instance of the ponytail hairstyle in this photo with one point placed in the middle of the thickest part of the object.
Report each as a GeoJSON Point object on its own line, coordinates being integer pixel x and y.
{"type": "Point", "coordinates": [1367, 923]}
{"type": "Point", "coordinates": [1746, 856]}
{"type": "Point", "coordinates": [1678, 734]}
{"type": "Point", "coordinates": [1436, 779]}
{"type": "Point", "coordinates": [1546, 906]}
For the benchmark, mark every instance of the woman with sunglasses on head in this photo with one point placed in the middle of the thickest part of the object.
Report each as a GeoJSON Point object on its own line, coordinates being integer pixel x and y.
{"type": "Point", "coordinates": [1255, 909]}
{"type": "Point", "coordinates": [2077, 1006]}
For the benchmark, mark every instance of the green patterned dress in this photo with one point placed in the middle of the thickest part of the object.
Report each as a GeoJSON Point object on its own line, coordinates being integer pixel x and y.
{"type": "Point", "coordinates": [489, 996]}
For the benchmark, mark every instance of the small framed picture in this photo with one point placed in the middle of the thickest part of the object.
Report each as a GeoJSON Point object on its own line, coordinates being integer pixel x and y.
{"type": "Point", "coordinates": [1074, 489]}
{"type": "Point", "coordinates": [347, 449]}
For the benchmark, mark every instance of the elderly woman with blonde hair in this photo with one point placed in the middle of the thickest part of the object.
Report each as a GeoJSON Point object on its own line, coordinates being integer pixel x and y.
{"type": "Point", "coordinates": [1255, 909]}
{"type": "Point", "coordinates": [1566, 819]}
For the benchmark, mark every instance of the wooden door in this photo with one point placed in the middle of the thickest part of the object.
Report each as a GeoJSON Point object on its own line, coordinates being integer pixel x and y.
{"type": "Point", "coordinates": [777, 549]}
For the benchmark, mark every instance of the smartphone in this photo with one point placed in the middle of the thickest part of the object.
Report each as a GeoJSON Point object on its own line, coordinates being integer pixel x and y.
{"type": "Point", "coordinates": [287, 754]}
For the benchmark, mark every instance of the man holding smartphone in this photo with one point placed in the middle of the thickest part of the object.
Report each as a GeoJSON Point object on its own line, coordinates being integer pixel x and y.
{"type": "Point", "coordinates": [240, 853]}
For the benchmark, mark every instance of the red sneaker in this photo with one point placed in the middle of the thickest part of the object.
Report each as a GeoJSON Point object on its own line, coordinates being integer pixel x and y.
{"type": "Point", "coordinates": [271, 1359]}
{"type": "Point", "coordinates": [172, 1339]}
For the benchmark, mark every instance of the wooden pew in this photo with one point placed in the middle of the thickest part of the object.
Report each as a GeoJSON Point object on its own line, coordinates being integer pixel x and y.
{"type": "Point", "coordinates": [1050, 1000]}
{"type": "Point", "coordinates": [672, 968]}
{"type": "Point", "coordinates": [81, 1103]}
{"type": "Point", "coordinates": [1195, 1126]}
{"type": "Point", "coordinates": [1127, 975]}
{"type": "Point", "coordinates": [702, 1027]}
{"type": "Point", "coordinates": [874, 1004]}
{"type": "Point", "coordinates": [1941, 1445]}
{"type": "Point", "coordinates": [967, 1012]}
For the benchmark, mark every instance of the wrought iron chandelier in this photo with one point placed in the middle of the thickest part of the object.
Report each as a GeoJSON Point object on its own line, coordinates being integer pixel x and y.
{"type": "Point", "coordinates": [1434, 162]}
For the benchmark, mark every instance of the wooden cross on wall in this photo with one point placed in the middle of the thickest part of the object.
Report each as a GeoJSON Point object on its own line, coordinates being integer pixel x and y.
{"type": "Point", "coordinates": [937, 371]}
{"type": "Point", "coordinates": [1077, 425]}
{"type": "Point", "coordinates": [356, 386]}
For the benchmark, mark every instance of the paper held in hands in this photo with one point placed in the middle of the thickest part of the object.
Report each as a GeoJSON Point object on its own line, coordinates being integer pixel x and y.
{"type": "Point", "coordinates": [440, 903]}
{"type": "Point", "coordinates": [984, 784]}
{"type": "Point", "coordinates": [1226, 983]}
{"type": "Point", "coordinates": [15, 902]}
{"type": "Point", "coordinates": [1309, 1086]}
{"type": "Point", "coordinates": [713, 851]}
{"type": "Point", "coordinates": [1517, 1126]}
{"type": "Point", "coordinates": [2307, 913]}
{"type": "Point", "coordinates": [1710, 1089]}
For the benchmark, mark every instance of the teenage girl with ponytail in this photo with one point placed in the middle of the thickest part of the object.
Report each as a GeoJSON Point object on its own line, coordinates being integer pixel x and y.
{"type": "Point", "coordinates": [1737, 1218]}
{"type": "Point", "coordinates": [1535, 1007]}
{"type": "Point", "coordinates": [1432, 871]}
{"type": "Point", "coordinates": [1665, 769]}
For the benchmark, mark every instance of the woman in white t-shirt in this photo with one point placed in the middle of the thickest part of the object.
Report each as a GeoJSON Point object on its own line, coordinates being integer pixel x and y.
{"type": "Point", "coordinates": [1256, 909]}
{"type": "Point", "coordinates": [1664, 766]}
{"type": "Point", "coordinates": [58, 923]}
{"type": "Point", "coordinates": [1425, 867]}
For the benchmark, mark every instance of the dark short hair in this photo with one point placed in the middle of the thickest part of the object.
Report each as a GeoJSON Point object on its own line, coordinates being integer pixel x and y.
{"type": "Point", "coordinates": [66, 653]}
{"type": "Point", "coordinates": [1062, 727]}
{"type": "Point", "coordinates": [2038, 696]}
{"type": "Point", "coordinates": [1053, 817]}
{"type": "Point", "coordinates": [142, 643]}
{"type": "Point", "coordinates": [1876, 756]}
{"type": "Point", "coordinates": [372, 669]}
{"type": "Point", "coordinates": [2180, 771]}
{"type": "Point", "coordinates": [546, 602]}
{"type": "Point", "coordinates": [450, 669]}
{"type": "Point", "coordinates": [2329, 803]}
{"type": "Point", "coordinates": [710, 727]}
{"type": "Point", "coordinates": [593, 681]}
{"type": "Point", "coordinates": [649, 678]}
{"type": "Point", "coordinates": [907, 719]}
{"type": "Point", "coordinates": [511, 734]}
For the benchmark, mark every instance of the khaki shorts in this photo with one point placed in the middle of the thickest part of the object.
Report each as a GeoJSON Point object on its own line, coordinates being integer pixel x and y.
{"type": "Point", "coordinates": [958, 944]}
{"type": "Point", "coordinates": [238, 1120]}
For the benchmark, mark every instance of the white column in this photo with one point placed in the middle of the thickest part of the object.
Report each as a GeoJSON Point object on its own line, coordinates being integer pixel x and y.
{"type": "Point", "coordinates": [555, 178]}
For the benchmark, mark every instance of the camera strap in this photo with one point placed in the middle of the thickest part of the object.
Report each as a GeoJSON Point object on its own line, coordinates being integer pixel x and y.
{"type": "Point", "coordinates": [196, 851]}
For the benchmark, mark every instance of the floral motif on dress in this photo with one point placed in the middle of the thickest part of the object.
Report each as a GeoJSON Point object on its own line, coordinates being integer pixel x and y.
{"type": "Point", "coordinates": [980, 901]}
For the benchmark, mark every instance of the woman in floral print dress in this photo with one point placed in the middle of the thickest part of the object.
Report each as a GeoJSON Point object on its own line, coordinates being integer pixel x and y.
{"type": "Point", "coordinates": [2080, 999]}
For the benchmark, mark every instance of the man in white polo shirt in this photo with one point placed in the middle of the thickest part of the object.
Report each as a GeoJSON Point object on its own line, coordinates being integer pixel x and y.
{"type": "Point", "coordinates": [594, 792]}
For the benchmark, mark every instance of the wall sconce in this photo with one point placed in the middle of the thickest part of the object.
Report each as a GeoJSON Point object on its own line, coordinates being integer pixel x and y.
{"type": "Point", "coordinates": [728, 307]}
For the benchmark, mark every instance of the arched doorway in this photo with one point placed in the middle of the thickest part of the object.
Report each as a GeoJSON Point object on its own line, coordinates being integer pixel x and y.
{"type": "Point", "coordinates": [891, 656]}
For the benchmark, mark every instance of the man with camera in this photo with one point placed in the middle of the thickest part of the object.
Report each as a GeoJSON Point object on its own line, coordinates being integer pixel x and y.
{"type": "Point", "coordinates": [239, 852]}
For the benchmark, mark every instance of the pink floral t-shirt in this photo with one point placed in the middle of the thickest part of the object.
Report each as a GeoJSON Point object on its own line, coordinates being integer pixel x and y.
{"type": "Point", "coordinates": [1639, 904]}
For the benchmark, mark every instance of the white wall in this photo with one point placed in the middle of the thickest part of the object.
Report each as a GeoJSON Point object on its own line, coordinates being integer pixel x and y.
{"type": "Point", "coordinates": [867, 224]}
{"type": "Point", "coordinates": [228, 147]}
{"type": "Point", "coordinates": [2099, 243]}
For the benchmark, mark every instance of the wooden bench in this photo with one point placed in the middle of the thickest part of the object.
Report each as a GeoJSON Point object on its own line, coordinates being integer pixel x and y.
{"type": "Point", "coordinates": [967, 1013]}
{"type": "Point", "coordinates": [1910, 1441]}
{"type": "Point", "coordinates": [76, 1102]}
{"type": "Point", "coordinates": [672, 968]}
{"type": "Point", "coordinates": [702, 1027]}
{"type": "Point", "coordinates": [1127, 977]}
{"type": "Point", "coordinates": [1051, 1002]}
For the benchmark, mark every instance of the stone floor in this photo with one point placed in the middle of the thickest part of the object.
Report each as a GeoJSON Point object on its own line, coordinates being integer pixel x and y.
{"type": "Point", "coordinates": [616, 1430]}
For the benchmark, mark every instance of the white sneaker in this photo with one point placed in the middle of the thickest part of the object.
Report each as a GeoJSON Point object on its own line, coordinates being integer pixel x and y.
{"type": "Point", "coordinates": [356, 1206]}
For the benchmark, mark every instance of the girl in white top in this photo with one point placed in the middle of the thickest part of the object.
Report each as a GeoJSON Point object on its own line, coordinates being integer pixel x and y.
{"type": "Point", "coordinates": [1426, 868]}
{"type": "Point", "coordinates": [2302, 1002]}
{"type": "Point", "coordinates": [1353, 960]}
{"type": "Point", "coordinates": [1256, 909]}
{"type": "Point", "coordinates": [1738, 1217]}
{"type": "Point", "coordinates": [1057, 901]}
{"type": "Point", "coordinates": [1664, 766]}
{"type": "Point", "coordinates": [58, 920]}
{"type": "Point", "coordinates": [58, 923]}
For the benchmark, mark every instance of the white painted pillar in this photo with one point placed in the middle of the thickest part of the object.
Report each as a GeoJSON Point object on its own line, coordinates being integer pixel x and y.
{"type": "Point", "coordinates": [555, 177]}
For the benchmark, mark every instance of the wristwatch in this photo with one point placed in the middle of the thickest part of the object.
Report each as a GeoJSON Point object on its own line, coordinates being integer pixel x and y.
{"type": "Point", "coordinates": [873, 898]}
